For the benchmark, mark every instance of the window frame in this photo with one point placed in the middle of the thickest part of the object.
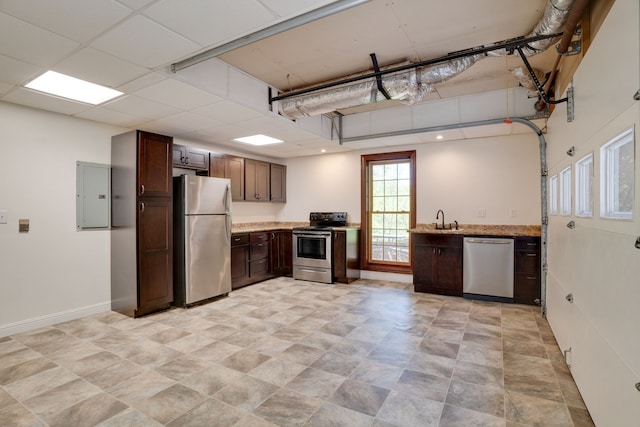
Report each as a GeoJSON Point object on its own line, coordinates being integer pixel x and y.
{"type": "Point", "coordinates": [584, 186]}
{"type": "Point", "coordinates": [565, 207]}
{"type": "Point", "coordinates": [609, 184]}
{"type": "Point", "coordinates": [553, 195]}
{"type": "Point", "coordinates": [365, 229]}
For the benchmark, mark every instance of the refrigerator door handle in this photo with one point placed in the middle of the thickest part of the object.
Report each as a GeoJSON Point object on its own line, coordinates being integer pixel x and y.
{"type": "Point", "coordinates": [227, 200]}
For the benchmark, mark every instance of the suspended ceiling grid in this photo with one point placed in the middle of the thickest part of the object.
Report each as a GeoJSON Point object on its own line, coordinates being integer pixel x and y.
{"type": "Point", "coordinates": [130, 44]}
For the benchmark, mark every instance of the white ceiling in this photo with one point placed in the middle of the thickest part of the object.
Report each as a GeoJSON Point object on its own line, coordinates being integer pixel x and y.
{"type": "Point", "coordinates": [130, 44]}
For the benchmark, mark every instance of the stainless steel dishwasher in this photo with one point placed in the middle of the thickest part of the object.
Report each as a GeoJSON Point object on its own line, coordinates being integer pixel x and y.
{"type": "Point", "coordinates": [488, 269]}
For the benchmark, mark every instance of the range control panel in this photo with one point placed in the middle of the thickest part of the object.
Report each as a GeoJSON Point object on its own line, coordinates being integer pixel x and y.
{"type": "Point", "coordinates": [336, 219]}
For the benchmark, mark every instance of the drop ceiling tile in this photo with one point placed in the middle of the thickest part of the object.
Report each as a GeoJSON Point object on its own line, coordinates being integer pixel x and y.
{"type": "Point", "coordinates": [76, 20]}
{"type": "Point", "coordinates": [136, 4]}
{"type": "Point", "coordinates": [393, 119]}
{"type": "Point", "coordinates": [223, 132]}
{"type": "Point", "coordinates": [209, 22]}
{"type": "Point", "coordinates": [35, 99]}
{"type": "Point", "coordinates": [228, 112]}
{"type": "Point", "coordinates": [17, 72]}
{"type": "Point", "coordinates": [286, 8]}
{"type": "Point", "coordinates": [180, 123]}
{"type": "Point", "coordinates": [142, 82]}
{"type": "Point", "coordinates": [28, 43]}
{"type": "Point", "coordinates": [103, 115]}
{"type": "Point", "coordinates": [177, 94]}
{"type": "Point", "coordinates": [435, 113]}
{"type": "Point", "coordinates": [486, 131]}
{"type": "Point", "coordinates": [140, 107]}
{"type": "Point", "coordinates": [146, 43]}
{"type": "Point", "coordinates": [211, 76]}
{"type": "Point", "coordinates": [5, 87]}
{"type": "Point", "coordinates": [98, 67]}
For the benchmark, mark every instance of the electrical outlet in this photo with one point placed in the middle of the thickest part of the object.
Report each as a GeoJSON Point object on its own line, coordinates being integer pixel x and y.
{"type": "Point", "coordinates": [481, 212]}
{"type": "Point", "coordinates": [514, 213]}
{"type": "Point", "coordinates": [4, 216]}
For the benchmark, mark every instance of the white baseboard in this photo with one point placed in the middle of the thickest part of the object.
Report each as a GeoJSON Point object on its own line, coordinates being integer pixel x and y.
{"type": "Point", "coordinates": [388, 277]}
{"type": "Point", "coordinates": [52, 319]}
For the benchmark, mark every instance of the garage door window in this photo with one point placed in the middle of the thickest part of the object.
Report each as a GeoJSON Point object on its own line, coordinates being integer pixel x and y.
{"type": "Point", "coordinates": [617, 171]}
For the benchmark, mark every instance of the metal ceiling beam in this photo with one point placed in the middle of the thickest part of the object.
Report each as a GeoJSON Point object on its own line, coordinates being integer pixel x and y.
{"type": "Point", "coordinates": [296, 21]}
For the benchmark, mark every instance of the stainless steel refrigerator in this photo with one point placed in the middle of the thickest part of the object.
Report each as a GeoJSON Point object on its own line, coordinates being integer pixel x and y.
{"type": "Point", "coordinates": [202, 238]}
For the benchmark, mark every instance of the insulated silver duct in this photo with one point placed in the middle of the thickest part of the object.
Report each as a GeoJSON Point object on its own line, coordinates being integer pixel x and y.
{"type": "Point", "coordinates": [408, 87]}
{"type": "Point", "coordinates": [411, 86]}
{"type": "Point", "coordinates": [525, 80]}
{"type": "Point", "coordinates": [552, 22]}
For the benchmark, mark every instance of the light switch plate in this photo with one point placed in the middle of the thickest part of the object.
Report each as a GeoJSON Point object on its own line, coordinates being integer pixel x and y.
{"type": "Point", "coordinates": [481, 212]}
{"type": "Point", "coordinates": [4, 216]}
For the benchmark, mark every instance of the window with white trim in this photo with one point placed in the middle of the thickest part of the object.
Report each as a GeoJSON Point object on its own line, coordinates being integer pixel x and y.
{"type": "Point", "coordinates": [565, 191]}
{"type": "Point", "coordinates": [617, 172]}
{"type": "Point", "coordinates": [584, 186]}
{"type": "Point", "coordinates": [553, 195]}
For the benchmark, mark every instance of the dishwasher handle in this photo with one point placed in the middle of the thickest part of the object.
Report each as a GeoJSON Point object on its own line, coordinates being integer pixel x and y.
{"type": "Point", "coordinates": [490, 241]}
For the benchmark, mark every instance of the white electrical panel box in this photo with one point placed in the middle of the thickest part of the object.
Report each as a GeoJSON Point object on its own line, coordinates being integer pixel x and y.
{"type": "Point", "coordinates": [93, 196]}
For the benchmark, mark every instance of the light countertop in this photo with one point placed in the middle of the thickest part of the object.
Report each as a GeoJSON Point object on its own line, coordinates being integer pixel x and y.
{"type": "Point", "coordinates": [481, 229]}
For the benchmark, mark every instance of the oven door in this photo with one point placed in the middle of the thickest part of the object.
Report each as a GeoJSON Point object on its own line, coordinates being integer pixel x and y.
{"type": "Point", "coordinates": [312, 248]}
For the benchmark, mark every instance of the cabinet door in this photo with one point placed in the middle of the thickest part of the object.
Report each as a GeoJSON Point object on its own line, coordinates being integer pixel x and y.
{"type": "Point", "coordinates": [234, 170]}
{"type": "Point", "coordinates": [155, 254]}
{"type": "Point", "coordinates": [256, 175]}
{"type": "Point", "coordinates": [278, 176]}
{"type": "Point", "coordinates": [281, 253]}
{"type": "Point", "coordinates": [217, 166]}
{"type": "Point", "coordinates": [423, 260]}
{"type": "Point", "coordinates": [178, 155]}
{"type": "Point", "coordinates": [448, 270]}
{"type": "Point", "coordinates": [154, 165]}
{"type": "Point", "coordinates": [340, 255]}
{"type": "Point", "coordinates": [196, 159]}
{"type": "Point", "coordinates": [239, 265]}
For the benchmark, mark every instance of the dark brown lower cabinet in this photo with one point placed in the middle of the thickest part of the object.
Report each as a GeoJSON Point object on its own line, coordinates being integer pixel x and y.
{"type": "Point", "coordinates": [281, 256]}
{"type": "Point", "coordinates": [346, 255]}
{"type": "Point", "coordinates": [526, 285]}
{"type": "Point", "coordinates": [141, 223]}
{"type": "Point", "coordinates": [437, 263]}
{"type": "Point", "coordinates": [155, 254]}
{"type": "Point", "coordinates": [239, 260]}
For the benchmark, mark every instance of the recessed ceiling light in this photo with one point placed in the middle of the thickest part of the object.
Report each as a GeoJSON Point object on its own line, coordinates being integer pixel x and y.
{"type": "Point", "coordinates": [323, 150]}
{"type": "Point", "coordinates": [258, 140]}
{"type": "Point", "coordinates": [439, 137]}
{"type": "Point", "coordinates": [71, 88]}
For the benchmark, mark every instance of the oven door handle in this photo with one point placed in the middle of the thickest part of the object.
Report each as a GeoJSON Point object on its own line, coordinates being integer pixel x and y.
{"type": "Point", "coordinates": [312, 235]}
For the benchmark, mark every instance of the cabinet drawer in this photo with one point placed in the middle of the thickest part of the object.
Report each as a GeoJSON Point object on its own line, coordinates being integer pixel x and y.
{"type": "Point", "coordinates": [526, 288]}
{"type": "Point", "coordinates": [258, 237]}
{"type": "Point", "coordinates": [258, 267]}
{"type": "Point", "coordinates": [528, 244]}
{"type": "Point", "coordinates": [239, 239]}
{"type": "Point", "coordinates": [437, 239]}
{"type": "Point", "coordinates": [259, 250]}
{"type": "Point", "coordinates": [527, 262]}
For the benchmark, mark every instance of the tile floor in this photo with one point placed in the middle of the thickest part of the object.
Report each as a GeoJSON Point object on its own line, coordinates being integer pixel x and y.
{"type": "Point", "coordinates": [286, 352]}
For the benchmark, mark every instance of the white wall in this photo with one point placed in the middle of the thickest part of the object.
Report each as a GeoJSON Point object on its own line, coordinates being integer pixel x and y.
{"type": "Point", "coordinates": [498, 174]}
{"type": "Point", "coordinates": [597, 261]}
{"type": "Point", "coordinates": [52, 271]}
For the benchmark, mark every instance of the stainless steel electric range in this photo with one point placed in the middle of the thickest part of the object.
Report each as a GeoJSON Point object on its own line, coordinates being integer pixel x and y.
{"type": "Point", "coordinates": [312, 249]}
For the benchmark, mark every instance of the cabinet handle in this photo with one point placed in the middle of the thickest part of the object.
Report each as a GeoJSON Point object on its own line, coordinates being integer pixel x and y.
{"type": "Point", "coordinates": [531, 254]}
{"type": "Point", "coordinates": [186, 160]}
{"type": "Point", "coordinates": [531, 278]}
{"type": "Point", "coordinates": [141, 207]}
{"type": "Point", "coordinates": [260, 245]}
{"type": "Point", "coordinates": [531, 244]}
{"type": "Point", "coordinates": [141, 188]}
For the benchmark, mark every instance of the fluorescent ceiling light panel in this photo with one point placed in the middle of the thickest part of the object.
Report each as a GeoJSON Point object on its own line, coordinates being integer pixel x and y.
{"type": "Point", "coordinates": [71, 88]}
{"type": "Point", "coordinates": [258, 140]}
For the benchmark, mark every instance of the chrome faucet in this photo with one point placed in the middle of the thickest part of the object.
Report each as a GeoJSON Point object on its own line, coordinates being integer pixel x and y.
{"type": "Point", "coordinates": [438, 216]}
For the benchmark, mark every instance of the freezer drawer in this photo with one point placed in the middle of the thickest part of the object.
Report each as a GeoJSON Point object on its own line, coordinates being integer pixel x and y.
{"type": "Point", "coordinates": [488, 268]}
